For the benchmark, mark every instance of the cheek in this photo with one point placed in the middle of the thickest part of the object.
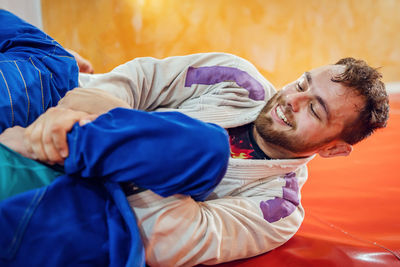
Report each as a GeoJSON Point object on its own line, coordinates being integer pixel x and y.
{"type": "Point", "coordinates": [307, 124]}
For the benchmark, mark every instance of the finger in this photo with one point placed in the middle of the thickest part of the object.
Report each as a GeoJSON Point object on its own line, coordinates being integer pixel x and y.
{"type": "Point", "coordinates": [59, 132]}
{"type": "Point", "coordinates": [87, 119]}
{"type": "Point", "coordinates": [54, 136]}
{"type": "Point", "coordinates": [86, 67]}
{"type": "Point", "coordinates": [52, 154]}
{"type": "Point", "coordinates": [60, 143]}
{"type": "Point", "coordinates": [41, 136]}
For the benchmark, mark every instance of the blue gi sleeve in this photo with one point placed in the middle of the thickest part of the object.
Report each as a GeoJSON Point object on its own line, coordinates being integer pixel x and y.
{"type": "Point", "coordinates": [166, 152]}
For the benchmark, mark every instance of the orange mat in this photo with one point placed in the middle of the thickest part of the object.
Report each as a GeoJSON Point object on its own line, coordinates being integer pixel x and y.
{"type": "Point", "coordinates": [352, 208]}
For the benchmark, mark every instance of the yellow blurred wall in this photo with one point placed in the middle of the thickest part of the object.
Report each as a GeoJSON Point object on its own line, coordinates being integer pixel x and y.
{"type": "Point", "coordinates": [282, 38]}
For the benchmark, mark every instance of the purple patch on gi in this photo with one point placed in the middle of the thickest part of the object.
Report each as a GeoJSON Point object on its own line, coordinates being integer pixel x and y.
{"type": "Point", "coordinates": [278, 208]}
{"type": "Point", "coordinates": [217, 74]}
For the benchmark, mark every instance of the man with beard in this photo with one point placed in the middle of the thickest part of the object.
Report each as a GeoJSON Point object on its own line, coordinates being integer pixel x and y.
{"type": "Point", "coordinates": [273, 135]}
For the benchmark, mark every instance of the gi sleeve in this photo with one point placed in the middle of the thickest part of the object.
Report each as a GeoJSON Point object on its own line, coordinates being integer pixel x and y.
{"type": "Point", "coordinates": [181, 232]}
{"type": "Point", "coordinates": [148, 83]}
{"type": "Point", "coordinates": [167, 152]}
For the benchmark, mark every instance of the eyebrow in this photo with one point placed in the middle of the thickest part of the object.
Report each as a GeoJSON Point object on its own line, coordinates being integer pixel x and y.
{"type": "Point", "coordinates": [319, 99]}
{"type": "Point", "coordinates": [308, 77]}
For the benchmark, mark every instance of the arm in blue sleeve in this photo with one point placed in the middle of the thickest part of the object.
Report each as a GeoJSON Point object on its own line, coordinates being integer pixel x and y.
{"type": "Point", "coordinates": [166, 152]}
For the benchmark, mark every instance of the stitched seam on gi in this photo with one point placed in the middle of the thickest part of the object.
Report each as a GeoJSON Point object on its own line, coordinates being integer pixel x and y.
{"type": "Point", "coordinates": [11, 103]}
{"type": "Point", "coordinates": [26, 92]}
{"type": "Point", "coordinates": [24, 221]}
{"type": "Point", "coordinates": [41, 84]}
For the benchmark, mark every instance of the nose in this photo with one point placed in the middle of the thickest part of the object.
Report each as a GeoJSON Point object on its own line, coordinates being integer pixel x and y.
{"type": "Point", "coordinates": [297, 100]}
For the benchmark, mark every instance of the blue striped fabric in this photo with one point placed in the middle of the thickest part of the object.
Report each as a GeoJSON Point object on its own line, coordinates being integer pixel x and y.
{"type": "Point", "coordinates": [35, 71]}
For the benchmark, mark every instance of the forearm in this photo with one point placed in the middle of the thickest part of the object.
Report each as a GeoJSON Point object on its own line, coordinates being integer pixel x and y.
{"type": "Point", "coordinates": [13, 138]}
{"type": "Point", "coordinates": [167, 152]}
{"type": "Point", "coordinates": [91, 100]}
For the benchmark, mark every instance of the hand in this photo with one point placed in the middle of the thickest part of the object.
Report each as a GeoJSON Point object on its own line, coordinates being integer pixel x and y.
{"type": "Point", "coordinates": [83, 64]}
{"type": "Point", "coordinates": [46, 138]}
{"type": "Point", "coordinates": [14, 139]}
{"type": "Point", "coordinates": [91, 100]}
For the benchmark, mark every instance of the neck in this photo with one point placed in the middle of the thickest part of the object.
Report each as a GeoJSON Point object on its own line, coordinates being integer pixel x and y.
{"type": "Point", "coordinates": [274, 151]}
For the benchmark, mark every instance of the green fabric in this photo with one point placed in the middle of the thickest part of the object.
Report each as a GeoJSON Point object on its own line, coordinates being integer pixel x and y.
{"type": "Point", "coordinates": [19, 174]}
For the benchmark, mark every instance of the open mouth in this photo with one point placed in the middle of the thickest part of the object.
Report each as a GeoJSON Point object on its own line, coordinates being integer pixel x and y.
{"type": "Point", "coordinates": [282, 116]}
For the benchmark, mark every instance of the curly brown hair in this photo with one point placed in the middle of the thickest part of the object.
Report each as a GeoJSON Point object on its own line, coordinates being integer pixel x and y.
{"type": "Point", "coordinates": [365, 81]}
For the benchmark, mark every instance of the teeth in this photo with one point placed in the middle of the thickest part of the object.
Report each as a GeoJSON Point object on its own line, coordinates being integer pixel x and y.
{"type": "Point", "coordinates": [282, 116]}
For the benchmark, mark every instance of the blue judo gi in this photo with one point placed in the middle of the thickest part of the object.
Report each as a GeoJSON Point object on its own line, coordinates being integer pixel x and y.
{"type": "Point", "coordinates": [35, 71]}
{"type": "Point", "coordinates": [83, 218]}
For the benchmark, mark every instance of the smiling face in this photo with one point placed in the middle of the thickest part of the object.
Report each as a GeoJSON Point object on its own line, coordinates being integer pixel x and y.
{"type": "Point", "coordinates": [307, 116]}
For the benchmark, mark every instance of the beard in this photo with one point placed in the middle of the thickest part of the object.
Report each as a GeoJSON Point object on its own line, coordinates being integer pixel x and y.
{"type": "Point", "coordinates": [285, 139]}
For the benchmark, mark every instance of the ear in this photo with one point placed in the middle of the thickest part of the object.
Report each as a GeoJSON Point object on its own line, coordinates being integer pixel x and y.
{"type": "Point", "coordinates": [337, 148]}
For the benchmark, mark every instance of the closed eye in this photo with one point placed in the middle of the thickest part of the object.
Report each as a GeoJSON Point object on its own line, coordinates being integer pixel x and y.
{"type": "Point", "coordinates": [299, 87]}
{"type": "Point", "coordinates": [313, 111]}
